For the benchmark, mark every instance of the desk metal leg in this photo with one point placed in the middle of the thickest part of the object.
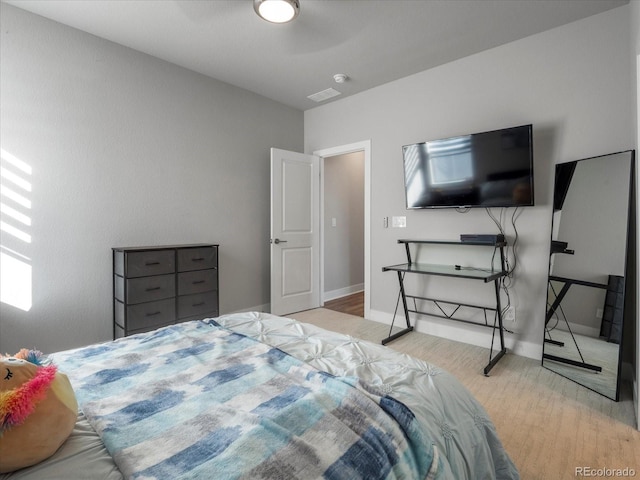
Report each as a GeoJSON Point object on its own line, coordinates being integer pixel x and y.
{"type": "Point", "coordinates": [556, 302]}
{"type": "Point", "coordinates": [554, 342]}
{"type": "Point", "coordinates": [575, 363]}
{"type": "Point", "coordinates": [406, 313]}
{"type": "Point", "coordinates": [503, 350]}
{"type": "Point", "coordinates": [552, 310]}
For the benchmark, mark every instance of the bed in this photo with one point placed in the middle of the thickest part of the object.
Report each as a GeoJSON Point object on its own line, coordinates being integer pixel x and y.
{"type": "Point", "coordinates": [253, 395]}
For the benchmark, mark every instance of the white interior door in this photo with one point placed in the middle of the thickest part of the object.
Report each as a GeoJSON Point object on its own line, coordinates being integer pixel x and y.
{"type": "Point", "coordinates": [295, 231]}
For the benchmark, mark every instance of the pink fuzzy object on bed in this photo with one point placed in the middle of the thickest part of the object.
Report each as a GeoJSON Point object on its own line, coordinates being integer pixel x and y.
{"type": "Point", "coordinates": [38, 410]}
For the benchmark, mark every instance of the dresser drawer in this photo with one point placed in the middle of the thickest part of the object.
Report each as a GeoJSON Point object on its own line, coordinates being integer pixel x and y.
{"type": "Point", "coordinates": [145, 289]}
{"type": "Point", "coordinates": [197, 304]}
{"type": "Point", "coordinates": [197, 258]}
{"type": "Point", "coordinates": [197, 281]}
{"type": "Point", "coordinates": [146, 316]}
{"type": "Point", "coordinates": [144, 263]}
{"type": "Point", "coordinates": [158, 286]}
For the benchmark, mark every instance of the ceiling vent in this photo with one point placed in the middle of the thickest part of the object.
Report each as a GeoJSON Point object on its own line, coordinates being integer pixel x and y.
{"type": "Point", "coordinates": [324, 95]}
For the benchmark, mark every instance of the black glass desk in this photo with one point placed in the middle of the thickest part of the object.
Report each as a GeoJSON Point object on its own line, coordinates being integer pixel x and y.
{"type": "Point", "coordinates": [486, 276]}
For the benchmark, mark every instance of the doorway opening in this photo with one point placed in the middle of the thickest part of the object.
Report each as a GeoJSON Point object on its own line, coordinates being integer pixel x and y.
{"type": "Point", "coordinates": [345, 227]}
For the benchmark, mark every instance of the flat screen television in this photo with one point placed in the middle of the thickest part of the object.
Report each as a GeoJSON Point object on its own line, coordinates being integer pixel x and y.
{"type": "Point", "coordinates": [488, 169]}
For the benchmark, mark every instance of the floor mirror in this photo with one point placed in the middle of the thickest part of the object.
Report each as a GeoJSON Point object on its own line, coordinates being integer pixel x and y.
{"type": "Point", "coordinates": [587, 271]}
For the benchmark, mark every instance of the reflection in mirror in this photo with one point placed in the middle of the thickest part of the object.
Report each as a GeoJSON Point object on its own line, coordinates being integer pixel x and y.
{"type": "Point", "coordinates": [585, 296]}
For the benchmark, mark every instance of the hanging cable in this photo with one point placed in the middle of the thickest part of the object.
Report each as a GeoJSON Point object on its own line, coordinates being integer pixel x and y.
{"type": "Point", "coordinates": [506, 282]}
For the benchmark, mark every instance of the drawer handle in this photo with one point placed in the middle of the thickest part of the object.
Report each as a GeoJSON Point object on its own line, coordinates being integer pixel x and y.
{"type": "Point", "coordinates": [154, 313]}
{"type": "Point", "coordinates": [151, 289]}
{"type": "Point", "coordinates": [198, 304]}
{"type": "Point", "coordinates": [197, 282]}
{"type": "Point", "coordinates": [197, 259]}
{"type": "Point", "coordinates": [148, 264]}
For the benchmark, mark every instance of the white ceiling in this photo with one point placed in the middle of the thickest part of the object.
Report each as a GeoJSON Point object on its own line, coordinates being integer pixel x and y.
{"type": "Point", "coordinates": [372, 41]}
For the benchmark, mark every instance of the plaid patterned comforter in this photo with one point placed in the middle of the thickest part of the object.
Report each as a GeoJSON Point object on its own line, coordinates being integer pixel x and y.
{"type": "Point", "coordinates": [196, 400]}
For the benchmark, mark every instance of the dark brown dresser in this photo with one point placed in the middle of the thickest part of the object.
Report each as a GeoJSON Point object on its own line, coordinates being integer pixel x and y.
{"type": "Point", "coordinates": [158, 286]}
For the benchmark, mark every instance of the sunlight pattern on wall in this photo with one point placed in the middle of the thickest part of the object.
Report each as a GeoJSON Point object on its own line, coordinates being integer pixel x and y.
{"type": "Point", "coordinates": [15, 232]}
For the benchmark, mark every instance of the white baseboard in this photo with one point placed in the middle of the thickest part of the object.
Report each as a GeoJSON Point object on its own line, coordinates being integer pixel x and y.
{"type": "Point", "coordinates": [342, 292]}
{"type": "Point", "coordinates": [465, 333]}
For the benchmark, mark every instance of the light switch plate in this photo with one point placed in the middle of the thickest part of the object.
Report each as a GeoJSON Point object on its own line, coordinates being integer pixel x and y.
{"type": "Point", "coordinates": [398, 222]}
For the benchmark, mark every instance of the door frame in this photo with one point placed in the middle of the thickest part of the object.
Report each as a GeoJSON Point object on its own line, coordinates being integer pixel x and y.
{"type": "Point", "coordinates": [365, 147]}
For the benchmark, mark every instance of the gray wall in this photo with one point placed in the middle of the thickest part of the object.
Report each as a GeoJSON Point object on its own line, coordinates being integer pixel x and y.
{"type": "Point", "coordinates": [573, 83]}
{"type": "Point", "coordinates": [126, 149]}
{"type": "Point", "coordinates": [344, 242]}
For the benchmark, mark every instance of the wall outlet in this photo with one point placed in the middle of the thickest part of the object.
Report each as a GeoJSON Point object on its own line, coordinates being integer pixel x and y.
{"type": "Point", "coordinates": [510, 315]}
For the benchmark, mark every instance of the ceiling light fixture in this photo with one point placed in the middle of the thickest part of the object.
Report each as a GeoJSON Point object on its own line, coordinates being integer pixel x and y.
{"type": "Point", "coordinates": [277, 11]}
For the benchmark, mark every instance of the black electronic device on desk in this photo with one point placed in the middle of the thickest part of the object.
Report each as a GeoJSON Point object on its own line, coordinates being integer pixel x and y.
{"type": "Point", "coordinates": [483, 238]}
{"type": "Point", "coordinates": [560, 247]}
{"type": "Point", "coordinates": [485, 275]}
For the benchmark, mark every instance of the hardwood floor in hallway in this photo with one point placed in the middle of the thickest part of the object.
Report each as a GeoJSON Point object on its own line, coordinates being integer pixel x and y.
{"type": "Point", "coordinates": [352, 304]}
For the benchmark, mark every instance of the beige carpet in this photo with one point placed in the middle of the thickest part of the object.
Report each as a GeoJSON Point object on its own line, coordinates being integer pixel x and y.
{"type": "Point", "coordinates": [549, 425]}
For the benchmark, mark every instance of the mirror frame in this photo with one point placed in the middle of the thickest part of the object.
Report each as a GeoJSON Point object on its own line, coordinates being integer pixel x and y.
{"type": "Point", "coordinates": [553, 249]}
